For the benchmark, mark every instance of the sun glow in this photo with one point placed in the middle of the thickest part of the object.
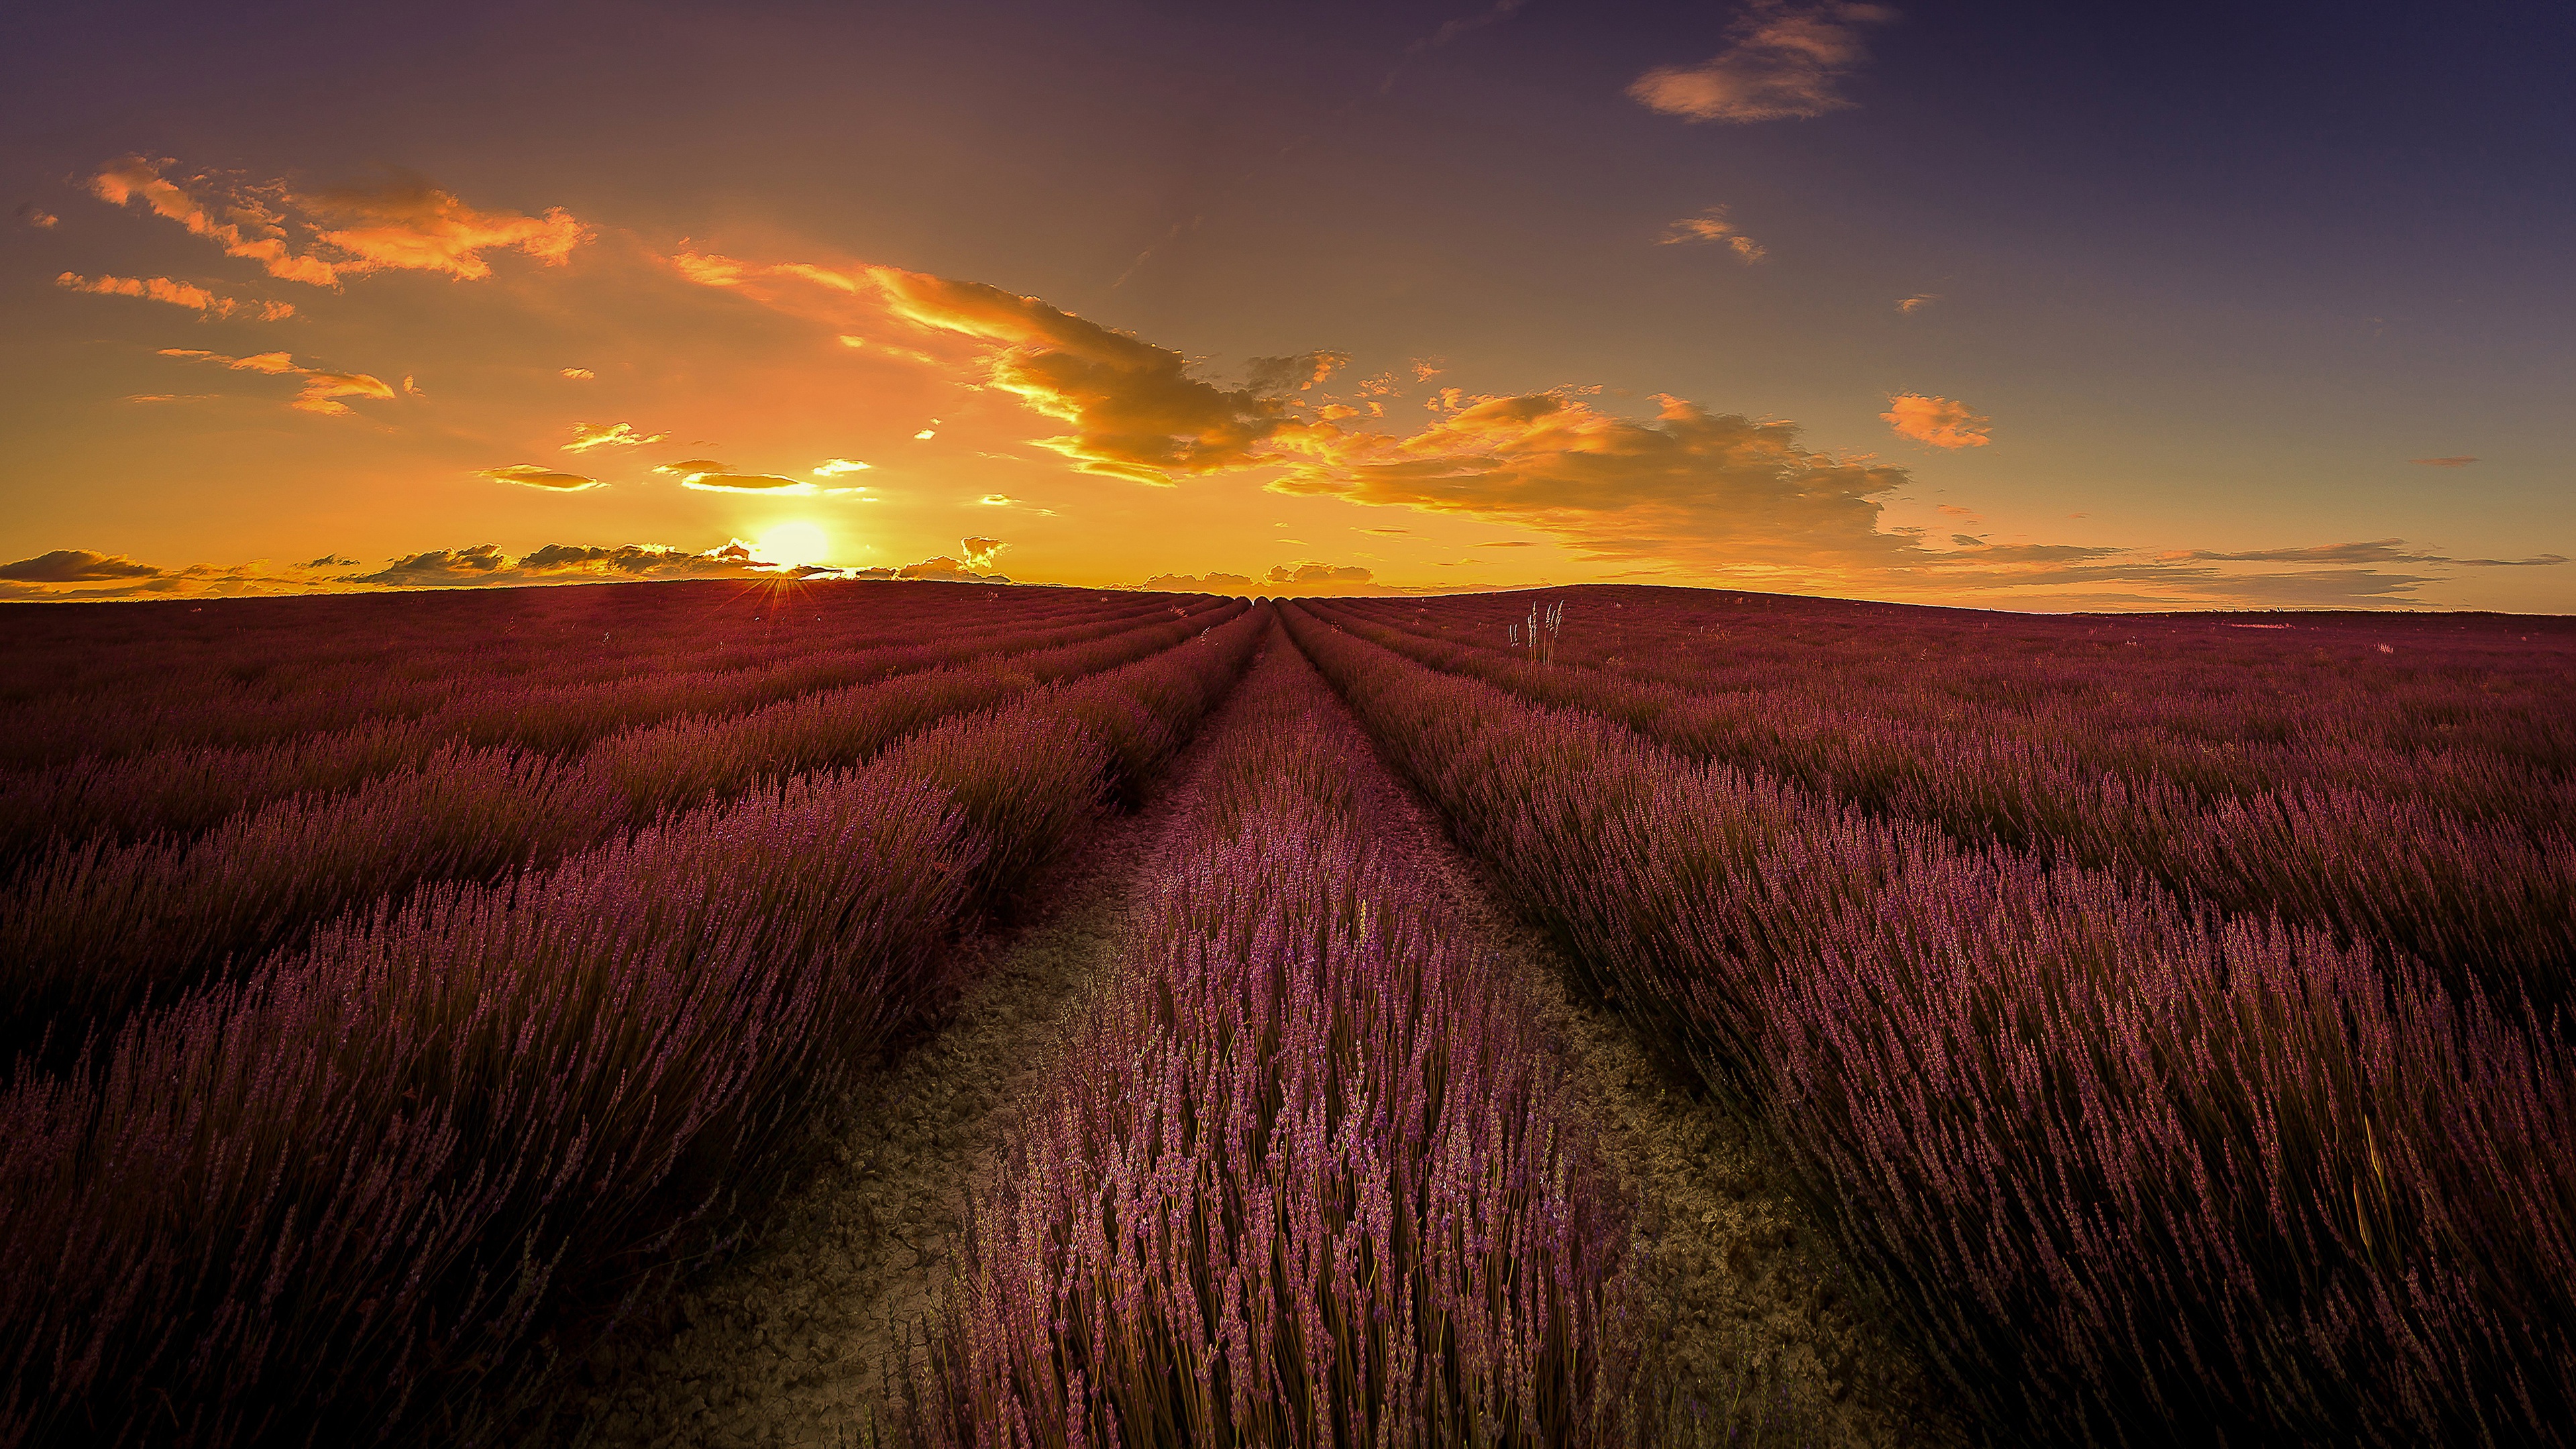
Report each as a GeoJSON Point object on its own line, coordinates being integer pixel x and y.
{"type": "Point", "coordinates": [793, 544]}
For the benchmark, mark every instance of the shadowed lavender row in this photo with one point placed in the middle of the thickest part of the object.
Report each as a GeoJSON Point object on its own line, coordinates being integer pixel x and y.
{"type": "Point", "coordinates": [2129, 1175]}
{"type": "Point", "coordinates": [188, 789]}
{"type": "Point", "coordinates": [88, 933]}
{"type": "Point", "coordinates": [2489, 904]}
{"type": "Point", "coordinates": [335, 1201]}
{"type": "Point", "coordinates": [238, 673]}
{"type": "Point", "coordinates": [1306, 1176]}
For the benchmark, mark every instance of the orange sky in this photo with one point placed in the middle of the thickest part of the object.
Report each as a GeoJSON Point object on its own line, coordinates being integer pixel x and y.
{"type": "Point", "coordinates": [239, 369]}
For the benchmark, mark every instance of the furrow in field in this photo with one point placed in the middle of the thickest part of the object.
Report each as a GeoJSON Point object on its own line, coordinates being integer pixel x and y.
{"type": "Point", "coordinates": [809, 1336]}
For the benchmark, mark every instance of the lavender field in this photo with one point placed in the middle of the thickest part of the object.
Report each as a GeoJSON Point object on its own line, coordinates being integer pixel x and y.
{"type": "Point", "coordinates": [854, 1012]}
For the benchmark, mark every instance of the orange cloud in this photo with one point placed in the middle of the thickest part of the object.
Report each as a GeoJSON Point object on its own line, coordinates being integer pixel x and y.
{"type": "Point", "coordinates": [1916, 303]}
{"type": "Point", "coordinates": [706, 475]}
{"type": "Point", "coordinates": [586, 436]}
{"type": "Point", "coordinates": [1688, 482]}
{"type": "Point", "coordinates": [408, 225]}
{"type": "Point", "coordinates": [74, 566]}
{"type": "Point", "coordinates": [944, 567]}
{"type": "Point", "coordinates": [177, 294]}
{"type": "Point", "coordinates": [1784, 62]}
{"type": "Point", "coordinates": [321, 391]}
{"type": "Point", "coordinates": [1136, 411]}
{"type": "Point", "coordinates": [579, 374]}
{"type": "Point", "coordinates": [414, 226]}
{"type": "Point", "coordinates": [1209, 583]}
{"type": "Point", "coordinates": [980, 552]}
{"type": "Point", "coordinates": [1711, 225]}
{"type": "Point", "coordinates": [1937, 421]}
{"type": "Point", "coordinates": [538, 475]}
{"type": "Point", "coordinates": [1300, 373]}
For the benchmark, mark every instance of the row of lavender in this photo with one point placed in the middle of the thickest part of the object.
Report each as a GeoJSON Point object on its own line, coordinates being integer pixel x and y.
{"type": "Point", "coordinates": [241, 673]}
{"type": "Point", "coordinates": [90, 932]}
{"type": "Point", "coordinates": [2489, 903]}
{"type": "Point", "coordinates": [2128, 1173]}
{"type": "Point", "coordinates": [1306, 1175]}
{"type": "Point", "coordinates": [378, 728]}
{"type": "Point", "coordinates": [340, 1196]}
{"type": "Point", "coordinates": [2214, 703]}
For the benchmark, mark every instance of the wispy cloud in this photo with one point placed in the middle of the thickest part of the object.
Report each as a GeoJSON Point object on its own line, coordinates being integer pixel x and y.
{"type": "Point", "coordinates": [322, 236]}
{"type": "Point", "coordinates": [538, 475]}
{"type": "Point", "coordinates": [1916, 303]}
{"type": "Point", "coordinates": [2459, 462]}
{"type": "Point", "coordinates": [579, 374]}
{"type": "Point", "coordinates": [1785, 60]}
{"type": "Point", "coordinates": [322, 389]}
{"type": "Point", "coordinates": [1939, 422]}
{"type": "Point", "coordinates": [835, 467]}
{"type": "Point", "coordinates": [1711, 225]}
{"type": "Point", "coordinates": [706, 475]}
{"type": "Point", "coordinates": [177, 294]}
{"type": "Point", "coordinates": [586, 436]}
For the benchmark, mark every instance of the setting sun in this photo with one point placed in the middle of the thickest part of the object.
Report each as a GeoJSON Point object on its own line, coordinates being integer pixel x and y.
{"type": "Point", "coordinates": [793, 544]}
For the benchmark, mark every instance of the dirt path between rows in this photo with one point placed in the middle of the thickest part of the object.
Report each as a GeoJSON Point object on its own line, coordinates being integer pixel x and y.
{"type": "Point", "coordinates": [799, 1337]}
{"type": "Point", "coordinates": [1752, 1340]}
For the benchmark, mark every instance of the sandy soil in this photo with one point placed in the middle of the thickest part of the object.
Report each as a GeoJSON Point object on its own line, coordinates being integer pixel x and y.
{"type": "Point", "coordinates": [796, 1340]}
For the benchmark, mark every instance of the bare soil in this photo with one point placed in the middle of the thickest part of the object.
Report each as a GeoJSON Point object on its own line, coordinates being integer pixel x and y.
{"type": "Point", "coordinates": [799, 1338]}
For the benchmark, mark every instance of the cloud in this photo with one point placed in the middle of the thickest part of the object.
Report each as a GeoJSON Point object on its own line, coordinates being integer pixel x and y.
{"type": "Point", "coordinates": [1783, 61]}
{"type": "Point", "coordinates": [76, 574]}
{"type": "Point", "coordinates": [1135, 410]}
{"type": "Point", "coordinates": [2375, 551]}
{"type": "Point", "coordinates": [706, 475]}
{"type": "Point", "coordinates": [1711, 225]}
{"type": "Point", "coordinates": [37, 217]}
{"type": "Point", "coordinates": [2460, 462]}
{"type": "Point", "coordinates": [406, 225]}
{"type": "Point", "coordinates": [835, 467]}
{"type": "Point", "coordinates": [944, 567]}
{"type": "Point", "coordinates": [1318, 573]}
{"type": "Point", "coordinates": [1335, 412]}
{"type": "Point", "coordinates": [1714, 485]}
{"type": "Point", "coordinates": [1300, 372]}
{"type": "Point", "coordinates": [1937, 421]}
{"type": "Point", "coordinates": [538, 475]}
{"type": "Point", "coordinates": [1510, 543]}
{"type": "Point", "coordinates": [579, 374]}
{"type": "Point", "coordinates": [586, 436]}
{"type": "Point", "coordinates": [1208, 583]}
{"type": "Point", "coordinates": [321, 390]}
{"type": "Point", "coordinates": [177, 294]}
{"type": "Point", "coordinates": [75, 566]}
{"type": "Point", "coordinates": [486, 565]}
{"type": "Point", "coordinates": [980, 552]}
{"type": "Point", "coordinates": [1916, 303]}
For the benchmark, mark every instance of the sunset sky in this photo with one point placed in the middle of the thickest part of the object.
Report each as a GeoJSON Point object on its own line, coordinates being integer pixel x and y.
{"type": "Point", "coordinates": [2025, 306]}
